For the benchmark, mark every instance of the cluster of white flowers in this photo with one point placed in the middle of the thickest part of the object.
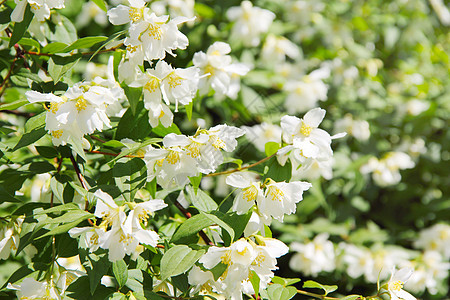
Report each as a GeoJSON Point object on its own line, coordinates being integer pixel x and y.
{"type": "Point", "coordinates": [250, 23]}
{"type": "Point", "coordinates": [241, 258]}
{"type": "Point", "coordinates": [272, 199]}
{"type": "Point", "coordinates": [40, 8]}
{"type": "Point", "coordinates": [168, 84]}
{"type": "Point", "coordinates": [185, 156]}
{"type": "Point", "coordinates": [218, 71]}
{"type": "Point", "coordinates": [386, 171]}
{"type": "Point", "coordinates": [82, 109]}
{"type": "Point", "coordinates": [431, 267]}
{"type": "Point", "coordinates": [150, 36]}
{"type": "Point", "coordinates": [313, 257]}
{"type": "Point", "coordinates": [10, 236]}
{"type": "Point", "coordinates": [309, 147]}
{"type": "Point", "coordinates": [120, 233]}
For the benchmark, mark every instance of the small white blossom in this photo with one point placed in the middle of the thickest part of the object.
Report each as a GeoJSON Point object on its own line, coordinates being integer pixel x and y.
{"type": "Point", "coordinates": [277, 48]}
{"type": "Point", "coordinates": [305, 93]}
{"type": "Point", "coordinates": [359, 129]}
{"type": "Point", "coordinates": [40, 8]}
{"type": "Point", "coordinates": [218, 71]}
{"type": "Point", "coordinates": [395, 284]}
{"type": "Point", "coordinates": [29, 288]}
{"type": "Point", "coordinates": [259, 135]}
{"type": "Point", "coordinates": [250, 22]}
{"type": "Point", "coordinates": [313, 257]}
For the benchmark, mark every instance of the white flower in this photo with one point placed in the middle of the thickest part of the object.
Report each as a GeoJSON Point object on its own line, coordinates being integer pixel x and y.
{"type": "Point", "coordinates": [395, 284]}
{"type": "Point", "coordinates": [81, 110]}
{"type": "Point", "coordinates": [310, 147]}
{"type": "Point", "coordinates": [305, 93]}
{"type": "Point", "coordinates": [32, 289]}
{"type": "Point", "coordinates": [107, 209]}
{"type": "Point", "coordinates": [386, 171]}
{"type": "Point", "coordinates": [174, 8]}
{"type": "Point", "coordinates": [263, 133]}
{"type": "Point", "coordinates": [89, 236]}
{"type": "Point", "coordinates": [358, 260]}
{"type": "Point", "coordinates": [313, 257]}
{"type": "Point", "coordinates": [281, 198]}
{"type": "Point", "coordinates": [91, 11]}
{"type": "Point", "coordinates": [436, 238]}
{"type": "Point", "coordinates": [276, 48]}
{"type": "Point", "coordinates": [249, 193]}
{"type": "Point", "coordinates": [40, 8]}
{"type": "Point", "coordinates": [250, 22]}
{"type": "Point", "coordinates": [125, 14]}
{"type": "Point", "coordinates": [219, 73]}
{"type": "Point", "coordinates": [157, 35]}
{"type": "Point", "coordinates": [359, 129]}
{"type": "Point", "coordinates": [10, 237]}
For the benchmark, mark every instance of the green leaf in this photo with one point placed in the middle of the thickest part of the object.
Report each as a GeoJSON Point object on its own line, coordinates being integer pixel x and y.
{"type": "Point", "coordinates": [13, 105]}
{"type": "Point", "coordinates": [47, 152]}
{"type": "Point", "coordinates": [57, 189]}
{"type": "Point", "coordinates": [7, 197]}
{"type": "Point", "coordinates": [178, 260]}
{"type": "Point", "coordinates": [352, 297]}
{"type": "Point", "coordinates": [187, 231]}
{"type": "Point", "coordinates": [20, 273]}
{"type": "Point", "coordinates": [56, 47]}
{"type": "Point", "coordinates": [133, 96]}
{"type": "Point", "coordinates": [35, 122]}
{"type": "Point", "coordinates": [200, 199]}
{"type": "Point", "coordinates": [85, 42]}
{"type": "Point", "coordinates": [78, 148]}
{"type": "Point", "coordinates": [254, 280]}
{"type": "Point", "coordinates": [120, 270]}
{"type": "Point", "coordinates": [117, 296]}
{"type": "Point", "coordinates": [57, 71]}
{"type": "Point", "coordinates": [195, 181]}
{"type": "Point", "coordinates": [29, 42]}
{"type": "Point", "coordinates": [326, 288]}
{"type": "Point", "coordinates": [237, 222]}
{"type": "Point", "coordinates": [99, 266]}
{"type": "Point", "coordinates": [162, 131]}
{"type": "Point", "coordinates": [221, 223]}
{"type": "Point", "coordinates": [277, 172]}
{"type": "Point", "coordinates": [30, 137]}
{"type": "Point", "coordinates": [278, 292]}
{"type": "Point", "coordinates": [285, 281]}
{"type": "Point", "coordinates": [20, 28]}
{"type": "Point", "coordinates": [271, 148]}
{"type": "Point", "coordinates": [189, 108]}
{"type": "Point", "coordinates": [66, 227]}
{"type": "Point", "coordinates": [101, 4]}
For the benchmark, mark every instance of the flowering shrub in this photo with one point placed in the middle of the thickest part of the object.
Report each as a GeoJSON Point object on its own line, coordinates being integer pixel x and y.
{"type": "Point", "coordinates": [224, 150]}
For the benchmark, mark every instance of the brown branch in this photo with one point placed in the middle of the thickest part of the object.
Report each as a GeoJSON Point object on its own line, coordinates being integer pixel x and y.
{"type": "Point", "coordinates": [110, 154]}
{"type": "Point", "coordinates": [70, 54]}
{"type": "Point", "coordinates": [18, 113]}
{"type": "Point", "coordinates": [242, 168]}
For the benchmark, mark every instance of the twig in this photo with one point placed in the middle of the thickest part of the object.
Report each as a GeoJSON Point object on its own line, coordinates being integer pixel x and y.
{"type": "Point", "coordinates": [17, 113]}
{"type": "Point", "coordinates": [110, 154]}
{"type": "Point", "coordinates": [315, 295]}
{"type": "Point", "coordinates": [242, 168]}
{"type": "Point", "coordinates": [70, 54]}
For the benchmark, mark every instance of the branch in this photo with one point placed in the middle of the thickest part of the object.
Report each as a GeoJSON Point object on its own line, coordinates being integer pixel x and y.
{"type": "Point", "coordinates": [318, 296]}
{"type": "Point", "coordinates": [242, 168]}
{"type": "Point", "coordinates": [16, 112]}
{"type": "Point", "coordinates": [70, 54]}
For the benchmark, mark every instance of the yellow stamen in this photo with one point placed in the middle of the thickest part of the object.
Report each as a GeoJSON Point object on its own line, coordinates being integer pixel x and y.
{"type": "Point", "coordinates": [135, 14]}
{"type": "Point", "coordinates": [173, 157]}
{"type": "Point", "coordinates": [250, 193]}
{"type": "Point", "coordinates": [217, 142]}
{"type": "Point", "coordinates": [57, 133]}
{"type": "Point", "coordinates": [81, 103]}
{"type": "Point", "coordinates": [275, 193]}
{"type": "Point", "coordinates": [152, 84]}
{"type": "Point", "coordinates": [174, 80]}
{"type": "Point", "coordinates": [396, 285]}
{"type": "Point", "coordinates": [154, 31]}
{"type": "Point", "coordinates": [305, 130]}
